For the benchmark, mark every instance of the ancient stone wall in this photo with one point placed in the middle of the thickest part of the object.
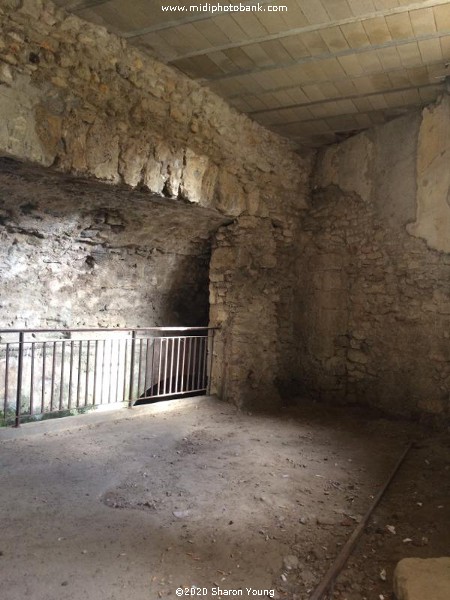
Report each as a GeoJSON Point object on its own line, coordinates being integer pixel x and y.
{"type": "Point", "coordinates": [75, 254]}
{"type": "Point", "coordinates": [77, 99]}
{"type": "Point", "coordinates": [374, 270]}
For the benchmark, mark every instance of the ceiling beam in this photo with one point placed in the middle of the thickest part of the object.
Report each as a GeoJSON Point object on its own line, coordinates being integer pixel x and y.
{"type": "Point", "coordinates": [203, 16]}
{"type": "Point", "coordinates": [386, 91]}
{"type": "Point", "coordinates": [312, 28]}
{"type": "Point", "coordinates": [287, 88]}
{"type": "Point", "coordinates": [325, 56]}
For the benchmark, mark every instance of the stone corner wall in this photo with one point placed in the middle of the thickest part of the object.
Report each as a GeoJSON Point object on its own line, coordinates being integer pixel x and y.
{"type": "Point", "coordinates": [374, 269]}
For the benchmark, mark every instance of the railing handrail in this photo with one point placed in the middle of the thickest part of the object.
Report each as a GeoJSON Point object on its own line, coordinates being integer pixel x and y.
{"type": "Point", "coordinates": [87, 329]}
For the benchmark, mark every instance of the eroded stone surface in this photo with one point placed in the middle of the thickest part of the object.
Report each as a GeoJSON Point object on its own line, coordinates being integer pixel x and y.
{"type": "Point", "coordinates": [417, 579]}
{"type": "Point", "coordinates": [373, 304]}
{"type": "Point", "coordinates": [433, 177]}
{"type": "Point", "coordinates": [73, 253]}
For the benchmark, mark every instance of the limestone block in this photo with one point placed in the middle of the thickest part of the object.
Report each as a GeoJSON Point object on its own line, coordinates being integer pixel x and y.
{"type": "Point", "coordinates": [230, 195]}
{"type": "Point", "coordinates": [102, 151]}
{"type": "Point", "coordinates": [349, 166]}
{"type": "Point", "coordinates": [433, 178]}
{"type": "Point", "coordinates": [133, 158]}
{"type": "Point", "coordinates": [191, 187]}
{"type": "Point", "coordinates": [417, 579]}
{"type": "Point", "coordinates": [18, 135]}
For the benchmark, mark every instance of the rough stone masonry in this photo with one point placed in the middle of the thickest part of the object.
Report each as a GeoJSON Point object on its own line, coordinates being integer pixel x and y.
{"type": "Point", "coordinates": [340, 291]}
{"type": "Point", "coordinates": [75, 98]}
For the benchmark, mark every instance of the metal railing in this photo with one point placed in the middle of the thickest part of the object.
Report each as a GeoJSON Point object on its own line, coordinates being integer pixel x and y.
{"type": "Point", "coordinates": [51, 371]}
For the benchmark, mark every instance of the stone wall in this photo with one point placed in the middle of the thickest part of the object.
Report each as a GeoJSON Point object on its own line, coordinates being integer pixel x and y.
{"type": "Point", "coordinates": [75, 254]}
{"type": "Point", "coordinates": [374, 270]}
{"type": "Point", "coordinates": [77, 99]}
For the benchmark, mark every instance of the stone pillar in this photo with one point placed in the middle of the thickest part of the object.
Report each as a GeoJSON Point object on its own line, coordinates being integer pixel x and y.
{"type": "Point", "coordinates": [243, 301]}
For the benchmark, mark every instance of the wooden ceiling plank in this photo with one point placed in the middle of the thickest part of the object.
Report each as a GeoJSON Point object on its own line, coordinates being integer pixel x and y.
{"type": "Point", "coordinates": [257, 54]}
{"type": "Point", "coordinates": [346, 87]}
{"type": "Point", "coordinates": [430, 50]}
{"type": "Point", "coordinates": [295, 47]}
{"type": "Point", "coordinates": [399, 79]}
{"type": "Point", "coordinates": [251, 25]}
{"type": "Point", "coordinates": [351, 65]}
{"type": "Point", "coordinates": [315, 43]}
{"type": "Point", "coordinates": [442, 17]}
{"type": "Point", "coordinates": [355, 35]}
{"type": "Point", "coordinates": [370, 61]}
{"type": "Point", "coordinates": [313, 92]}
{"type": "Point", "coordinates": [334, 39]}
{"type": "Point", "coordinates": [329, 90]}
{"type": "Point", "coordinates": [230, 28]}
{"type": "Point", "coordinates": [445, 48]}
{"type": "Point", "coordinates": [298, 96]}
{"type": "Point", "coordinates": [422, 21]}
{"type": "Point", "coordinates": [409, 54]}
{"type": "Point", "coordinates": [362, 7]}
{"type": "Point", "coordinates": [222, 60]}
{"type": "Point", "coordinates": [411, 97]}
{"type": "Point", "coordinates": [389, 58]}
{"type": "Point", "coordinates": [362, 104]}
{"type": "Point", "coordinates": [273, 22]}
{"type": "Point", "coordinates": [276, 50]}
{"type": "Point", "coordinates": [315, 12]}
{"type": "Point", "coordinates": [399, 26]}
{"type": "Point", "coordinates": [385, 4]}
{"type": "Point", "coordinates": [320, 111]}
{"type": "Point", "coordinates": [378, 102]}
{"type": "Point", "coordinates": [239, 58]}
{"type": "Point", "coordinates": [418, 75]}
{"type": "Point", "coordinates": [377, 30]}
{"type": "Point", "coordinates": [338, 9]}
{"type": "Point", "coordinates": [211, 32]}
{"type": "Point", "coordinates": [332, 68]}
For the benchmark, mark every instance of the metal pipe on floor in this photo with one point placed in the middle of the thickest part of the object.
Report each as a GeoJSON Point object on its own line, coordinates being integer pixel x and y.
{"type": "Point", "coordinates": [348, 547]}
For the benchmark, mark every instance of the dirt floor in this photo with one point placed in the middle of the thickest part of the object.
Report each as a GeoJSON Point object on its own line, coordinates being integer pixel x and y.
{"type": "Point", "coordinates": [135, 504]}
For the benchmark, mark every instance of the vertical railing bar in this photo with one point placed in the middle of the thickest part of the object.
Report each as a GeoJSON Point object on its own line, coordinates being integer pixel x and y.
{"type": "Point", "coordinates": [188, 385]}
{"type": "Point", "coordinates": [32, 379]}
{"type": "Point", "coordinates": [205, 361]}
{"type": "Point", "coordinates": [199, 364]}
{"type": "Point", "coordinates": [172, 351]}
{"type": "Point", "coordinates": [52, 390]}
{"type": "Point", "coordinates": [19, 379]}
{"type": "Point", "coordinates": [184, 364]}
{"type": "Point", "coordinates": [139, 369]}
{"type": "Point", "coordinates": [119, 349]}
{"type": "Point", "coordinates": [146, 367]}
{"type": "Point", "coordinates": [44, 356]}
{"type": "Point", "coordinates": [152, 378]}
{"type": "Point", "coordinates": [69, 400]}
{"type": "Point", "coordinates": [6, 381]}
{"type": "Point", "coordinates": [133, 353]}
{"type": "Point", "coordinates": [177, 375]}
{"type": "Point", "coordinates": [125, 358]}
{"type": "Point", "coordinates": [88, 360]}
{"type": "Point", "coordinates": [111, 345]}
{"type": "Point", "coordinates": [94, 391]}
{"type": "Point", "coordinates": [194, 362]}
{"type": "Point", "coordinates": [159, 365]}
{"type": "Point", "coordinates": [102, 381]}
{"type": "Point", "coordinates": [80, 353]}
{"type": "Point", "coordinates": [165, 364]}
{"type": "Point", "coordinates": [211, 337]}
{"type": "Point", "coordinates": [61, 379]}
